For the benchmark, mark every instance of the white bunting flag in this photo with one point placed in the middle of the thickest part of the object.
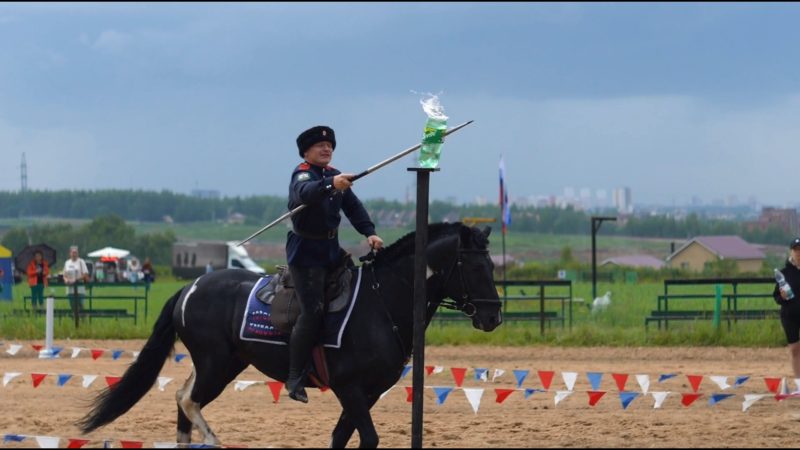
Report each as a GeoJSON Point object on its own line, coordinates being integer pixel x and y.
{"type": "Point", "coordinates": [796, 386]}
{"type": "Point", "coordinates": [569, 379]}
{"type": "Point", "coordinates": [165, 445]}
{"type": "Point", "coordinates": [437, 369]}
{"type": "Point", "coordinates": [13, 349]}
{"type": "Point", "coordinates": [474, 397]}
{"type": "Point", "coordinates": [163, 382]}
{"type": "Point", "coordinates": [659, 397]}
{"type": "Point", "coordinates": [721, 381]}
{"type": "Point", "coordinates": [88, 380]}
{"type": "Point", "coordinates": [497, 373]}
{"type": "Point", "coordinates": [9, 376]}
{"type": "Point", "coordinates": [749, 399]}
{"type": "Point", "coordinates": [561, 395]}
{"type": "Point", "coordinates": [135, 355]}
{"type": "Point", "coordinates": [242, 385]}
{"type": "Point", "coordinates": [387, 391]}
{"type": "Point", "coordinates": [47, 441]}
{"type": "Point", "coordinates": [76, 351]}
{"type": "Point", "coordinates": [644, 382]}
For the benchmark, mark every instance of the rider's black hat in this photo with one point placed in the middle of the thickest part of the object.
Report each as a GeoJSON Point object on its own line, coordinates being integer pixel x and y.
{"type": "Point", "coordinates": [313, 135]}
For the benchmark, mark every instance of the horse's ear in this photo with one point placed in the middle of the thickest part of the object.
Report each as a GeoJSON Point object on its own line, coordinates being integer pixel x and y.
{"type": "Point", "coordinates": [487, 230]}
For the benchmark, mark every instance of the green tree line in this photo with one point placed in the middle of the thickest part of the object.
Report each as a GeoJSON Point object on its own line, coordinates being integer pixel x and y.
{"type": "Point", "coordinates": [153, 206]}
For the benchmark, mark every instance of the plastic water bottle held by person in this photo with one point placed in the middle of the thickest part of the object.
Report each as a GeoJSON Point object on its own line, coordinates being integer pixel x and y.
{"type": "Point", "coordinates": [784, 286]}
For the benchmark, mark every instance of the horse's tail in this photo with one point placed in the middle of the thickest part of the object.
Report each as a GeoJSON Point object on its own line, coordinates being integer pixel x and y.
{"type": "Point", "coordinates": [140, 376]}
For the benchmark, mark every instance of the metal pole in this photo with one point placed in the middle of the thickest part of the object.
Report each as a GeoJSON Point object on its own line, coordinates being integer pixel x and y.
{"type": "Point", "coordinates": [420, 303]}
{"type": "Point", "coordinates": [505, 285]}
{"type": "Point", "coordinates": [595, 228]}
{"type": "Point", "coordinates": [355, 177]}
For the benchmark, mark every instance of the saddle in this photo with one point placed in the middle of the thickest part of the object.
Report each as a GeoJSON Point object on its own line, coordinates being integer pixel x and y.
{"type": "Point", "coordinates": [281, 295]}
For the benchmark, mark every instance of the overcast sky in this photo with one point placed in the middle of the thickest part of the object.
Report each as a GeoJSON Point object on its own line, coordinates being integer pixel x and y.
{"type": "Point", "coordinates": [671, 100]}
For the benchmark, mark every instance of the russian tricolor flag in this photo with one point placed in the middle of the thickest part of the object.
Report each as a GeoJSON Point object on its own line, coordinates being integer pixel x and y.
{"type": "Point", "coordinates": [505, 209]}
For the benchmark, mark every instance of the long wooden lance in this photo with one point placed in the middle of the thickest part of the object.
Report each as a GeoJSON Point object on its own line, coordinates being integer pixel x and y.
{"type": "Point", "coordinates": [353, 178]}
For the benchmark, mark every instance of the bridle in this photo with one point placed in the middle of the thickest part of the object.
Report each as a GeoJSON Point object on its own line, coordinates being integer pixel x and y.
{"type": "Point", "coordinates": [466, 303]}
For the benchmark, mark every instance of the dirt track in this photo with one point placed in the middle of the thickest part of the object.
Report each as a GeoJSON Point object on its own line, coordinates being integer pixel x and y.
{"type": "Point", "coordinates": [251, 418]}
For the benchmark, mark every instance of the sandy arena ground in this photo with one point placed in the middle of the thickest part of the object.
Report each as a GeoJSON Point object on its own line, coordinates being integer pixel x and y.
{"type": "Point", "coordinates": [250, 418]}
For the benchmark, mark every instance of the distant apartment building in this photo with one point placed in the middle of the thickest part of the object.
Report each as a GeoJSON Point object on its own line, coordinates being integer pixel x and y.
{"type": "Point", "coordinates": [785, 219]}
{"type": "Point", "coordinates": [622, 200]}
{"type": "Point", "coordinates": [702, 250]}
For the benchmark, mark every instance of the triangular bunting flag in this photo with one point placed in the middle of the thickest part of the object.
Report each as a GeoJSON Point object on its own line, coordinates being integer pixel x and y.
{"type": "Point", "coordinates": [716, 398]}
{"type": "Point", "coordinates": [520, 376]}
{"type": "Point", "coordinates": [659, 398]}
{"type": "Point", "coordinates": [135, 355]}
{"type": "Point", "coordinates": [48, 441]}
{"type": "Point", "coordinates": [76, 443]}
{"type": "Point", "coordinates": [502, 394]}
{"type": "Point", "coordinates": [595, 396]}
{"type": "Point", "coordinates": [275, 387]}
{"type": "Point", "coordinates": [797, 385]}
{"type": "Point", "coordinates": [531, 391]}
{"type": "Point", "coordinates": [13, 438]}
{"type": "Point", "coordinates": [88, 380]}
{"type": "Point", "coordinates": [481, 374]}
{"type": "Point", "coordinates": [694, 381]}
{"type": "Point", "coordinates": [55, 351]}
{"type": "Point", "coordinates": [96, 353]}
{"type": "Point", "coordinates": [688, 399]}
{"type": "Point", "coordinates": [546, 377]}
{"type": "Point", "coordinates": [749, 399]}
{"type": "Point", "coordinates": [165, 445]}
{"type": "Point", "coordinates": [75, 352]}
{"type": "Point", "coordinates": [561, 395]}
{"type": "Point", "coordinates": [740, 381]}
{"type": "Point", "coordinates": [387, 391]}
{"type": "Point", "coordinates": [8, 376]}
{"type": "Point", "coordinates": [405, 372]}
{"type": "Point", "coordinates": [497, 374]}
{"type": "Point", "coordinates": [474, 398]}
{"type": "Point", "coordinates": [458, 375]}
{"type": "Point", "coordinates": [620, 379]}
{"type": "Point", "coordinates": [111, 382]}
{"type": "Point", "coordinates": [594, 379]}
{"type": "Point", "coordinates": [179, 357]}
{"type": "Point", "coordinates": [772, 384]}
{"type": "Point", "coordinates": [429, 370]}
{"type": "Point", "coordinates": [13, 349]}
{"type": "Point", "coordinates": [626, 398]}
{"type": "Point", "coordinates": [115, 354]}
{"type": "Point", "coordinates": [37, 347]}
{"type": "Point", "coordinates": [438, 369]}
{"type": "Point", "coordinates": [242, 385]}
{"type": "Point", "coordinates": [441, 394]}
{"type": "Point", "coordinates": [569, 379]}
{"type": "Point", "coordinates": [720, 381]}
{"type": "Point", "coordinates": [644, 382]}
{"type": "Point", "coordinates": [63, 378]}
{"type": "Point", "coordinates": [163, 382]}
{"type": "Point", "coordinates": [131, 444]}
{"type": "Point", "coordinates": [667, 376]}
{"type": "Point", "coordinates": [37, 378]}
{"type": "Point", "coordinates": [410, 392]}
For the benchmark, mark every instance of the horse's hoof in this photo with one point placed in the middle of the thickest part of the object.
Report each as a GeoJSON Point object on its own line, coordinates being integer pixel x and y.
{"type": "Point", "coordinates": [299, 395]}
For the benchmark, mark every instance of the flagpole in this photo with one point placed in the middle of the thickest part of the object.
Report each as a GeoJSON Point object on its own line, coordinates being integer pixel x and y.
{"type": "Point", "coordinates": [503, 195]}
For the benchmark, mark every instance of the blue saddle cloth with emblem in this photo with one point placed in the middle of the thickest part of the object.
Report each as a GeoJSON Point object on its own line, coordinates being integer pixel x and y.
{"type": "Point", "coordinates": [257, 322]}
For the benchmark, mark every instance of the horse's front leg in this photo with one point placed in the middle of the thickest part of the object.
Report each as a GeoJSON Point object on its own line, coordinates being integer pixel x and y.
{"type": "Point", "coordinates": [355, 415]}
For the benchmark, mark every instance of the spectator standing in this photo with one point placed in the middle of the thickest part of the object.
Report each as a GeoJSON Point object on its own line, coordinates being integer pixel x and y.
{"type": "Point", "coordinates": [75, 275]}
{"type": "Point", "coordinates": [38, 271]}
{"type": "Point", "coordinates": [147, 270]}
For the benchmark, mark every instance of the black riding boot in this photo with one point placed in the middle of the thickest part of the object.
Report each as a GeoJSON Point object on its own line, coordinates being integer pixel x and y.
{"type": "Point", "coordinates": [309, 283]}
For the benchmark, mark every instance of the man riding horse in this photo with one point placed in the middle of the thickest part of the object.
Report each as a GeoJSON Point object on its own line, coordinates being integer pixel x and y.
{"type": "Point", "coordinates": [312, 246]}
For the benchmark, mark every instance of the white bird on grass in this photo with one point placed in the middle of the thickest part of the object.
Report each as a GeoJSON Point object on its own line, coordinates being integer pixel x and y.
{"type": "Point", "coordinates": [601, 303]}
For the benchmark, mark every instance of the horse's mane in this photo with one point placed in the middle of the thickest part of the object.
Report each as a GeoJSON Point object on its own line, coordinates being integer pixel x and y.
{"type": "Point", "coordinates": [406, 244]}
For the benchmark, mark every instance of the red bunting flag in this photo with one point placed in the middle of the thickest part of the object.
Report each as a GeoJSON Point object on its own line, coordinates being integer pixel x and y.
{"type": "Point", "coordinates": [695, 380]}
{"type": "Point", "coordinates": [502, 394]}
{"type": "Point", "coordinates": [37, 347]}
{"type": "Point", "coordinates": [773, 384]}
{"type": "Point", "coordinates": [595, 396]}
{"type": "Point", "coordinates": [458, 375]}
{"type": "Point", "coordinates": [546, 378]}
{"type": "Point", "coordinates": [621, 379]}
{"type": "Point", "coordinates": [429, 369]}
{"type": "Point", "coordinates": [96, 353]}
{"type": "Point", "coordinates": [131, 444]}
{"type": "Point", "coordinates": [410, 391]}
{"type": "Point", "coordinates": [688, 399]}
{"type": "Point", "coordinates": [37, 378]}
{"type": "Point", "coordinates": [112, 381]}
{"type": "Point", "coordinates": [77, 443]}
{"type": "Point", "coordinates": [275, 387]}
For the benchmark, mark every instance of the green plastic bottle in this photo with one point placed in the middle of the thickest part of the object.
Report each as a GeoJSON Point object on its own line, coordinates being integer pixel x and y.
{"type": "Point", "coordinates": [432, 140]}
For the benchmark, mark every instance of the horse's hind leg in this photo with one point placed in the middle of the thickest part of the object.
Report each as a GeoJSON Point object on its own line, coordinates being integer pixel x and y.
{"type": "Point", "coordinates": [184, 424]}
{"type": "Point", "coordinates": [209, 378]}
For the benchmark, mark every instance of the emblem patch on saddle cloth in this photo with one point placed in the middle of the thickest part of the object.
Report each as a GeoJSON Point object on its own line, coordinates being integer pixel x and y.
{"type": "Point", "coordinates": [257, 321]}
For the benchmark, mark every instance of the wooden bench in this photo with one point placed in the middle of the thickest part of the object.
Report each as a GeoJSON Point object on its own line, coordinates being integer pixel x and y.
{"type": "Point", "coordinates": [66, 312]}
{"type": "Point", "coordinates": [728, 316]}
{"type": "Point", "coordinates": [549, 316]}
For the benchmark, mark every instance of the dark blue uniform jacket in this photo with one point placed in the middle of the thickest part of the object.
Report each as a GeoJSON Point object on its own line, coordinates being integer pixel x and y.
{"type": "Point", "coordinates": [313, 186]}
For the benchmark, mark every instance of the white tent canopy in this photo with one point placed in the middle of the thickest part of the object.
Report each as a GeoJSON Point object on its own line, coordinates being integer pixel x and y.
{"type": "Point", "coordinates": [109, 252]}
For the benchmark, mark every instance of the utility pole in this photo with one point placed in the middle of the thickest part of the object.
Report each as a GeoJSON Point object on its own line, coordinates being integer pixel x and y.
{"type": "Point", "coordinates": [596, 222]}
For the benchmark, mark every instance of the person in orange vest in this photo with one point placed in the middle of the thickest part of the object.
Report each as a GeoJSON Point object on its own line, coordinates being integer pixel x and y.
{"type": "Point", "coordinates": [38, 271]}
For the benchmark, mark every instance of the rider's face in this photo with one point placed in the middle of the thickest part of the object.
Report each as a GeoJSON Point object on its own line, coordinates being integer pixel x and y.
{"type": "Point", "coordinates": [320, 154]}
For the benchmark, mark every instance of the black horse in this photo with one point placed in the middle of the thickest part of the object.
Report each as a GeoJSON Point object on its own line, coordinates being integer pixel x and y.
{"type": "Point", "coordinates": [374, 349]}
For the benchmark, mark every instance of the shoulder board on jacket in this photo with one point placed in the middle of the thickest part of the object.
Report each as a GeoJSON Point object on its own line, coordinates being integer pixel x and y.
{"type": "Point", "coordinates": [330, 168]}
{"type": "Point", "coordinates": [303, 166]}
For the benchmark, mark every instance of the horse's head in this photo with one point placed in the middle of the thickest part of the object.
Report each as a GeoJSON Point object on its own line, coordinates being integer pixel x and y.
{"type": "Point", "coordinates": [462, 261]}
